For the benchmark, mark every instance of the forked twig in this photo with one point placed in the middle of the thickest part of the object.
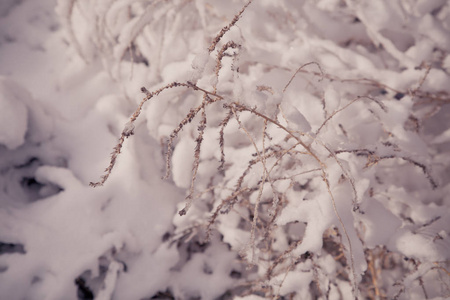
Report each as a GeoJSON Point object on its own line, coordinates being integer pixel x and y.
{"type": "Point", "coordinates": [129, 127]}
{"type": "Point", "coordinates": [224, 30]}
{"type": "Point", "coordinates": [299, 69]}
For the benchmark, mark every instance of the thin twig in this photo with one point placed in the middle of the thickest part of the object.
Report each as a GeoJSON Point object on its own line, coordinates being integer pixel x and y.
{"type": "Point", "coordinates": [224, 30]}
{"type": "Point", "coordinates": [299, 69]}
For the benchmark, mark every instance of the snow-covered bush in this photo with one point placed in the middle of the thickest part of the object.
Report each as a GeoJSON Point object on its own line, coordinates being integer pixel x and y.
{"type": "Point", "coordinates": [310, 139]}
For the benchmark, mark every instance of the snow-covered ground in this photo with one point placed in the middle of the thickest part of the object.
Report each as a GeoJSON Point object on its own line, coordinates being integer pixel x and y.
{"type": "Point", "coordinates": [290, 149]}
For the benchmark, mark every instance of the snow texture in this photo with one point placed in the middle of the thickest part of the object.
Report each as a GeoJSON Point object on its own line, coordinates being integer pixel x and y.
{"type": "Point", "coordinates": [14, 119]}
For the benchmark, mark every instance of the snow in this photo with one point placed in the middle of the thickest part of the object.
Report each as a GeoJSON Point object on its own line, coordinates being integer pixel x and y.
{"type": "Point", "coordinates": [293, 280]}
{"type": "Point", "coordinates": [336, 174]}
{"type": "Point", "coordinates": [423, 248]}
{"type": "Point", "coordinates": [110, 281]}
{"type": "Point", "coordinates": [377, 221]}
{"type": "Point", "coordinates": [14, 118]}
{"type": "Point", "coordinates": [295, 118]}
{"type": "Point", "coordinates": [182, 163]}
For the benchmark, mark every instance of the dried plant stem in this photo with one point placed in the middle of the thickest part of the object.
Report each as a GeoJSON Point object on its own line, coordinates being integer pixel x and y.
{"type": "Point", "coordinates": [279, 158]}
{"type": "Point", "coordinates": [242, 107]}
{"type": "Point", "coordinates": [283, 153]}
{"type": "Point", "coordinates": [224, 30]}
{"type": "Point", "coordinates": [277, 295]}
{"type": "Point", "coordinates": [219, 58]}
{"type": "Point", "coordinates": [351, 180]}
{"type": "Point", "coordinates": [129, 130]}
{"type": "Point", "coordinates": [129, 127]}
{"type": "Point", "coordinates": [441, 268]}
{"type": "Point", "coordinates": [374, 273]}
{"type": "Point", "coordinates": [422, 80]}
{"type": "Point", "coordinates": [373, 159]}
{"type": "Point", "coordinates": [108, 170]}
{"type": "Point", "coordinates": [365, 81]}
{"type": "Point", "coordinates": [324, 176]}
{"type": "Point", "coordinates": [425, 170]}
{"type": "Point", "coordinates": [222, 125]}
{"type": "Point", "coordinates": [201, 131]}
{"type": "Point", "coordinates": [347, 237]}
{"type": "Point", "coordinates": [291, 177]}
{"type": "Point", "coordinates": [344, 107]}
{"type": "Point", "coordinates": [189, 117]}
{"type": "Point", "coordinates": [261, 186]}
{"type": "Point", "coordinates": [214, 216]}
{"type": "Point", "coordinates": [281, 258]}
{"type": "Point", "coordinates": [299, 69]}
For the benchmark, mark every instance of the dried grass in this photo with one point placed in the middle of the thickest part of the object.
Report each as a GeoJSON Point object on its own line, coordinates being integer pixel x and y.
{"type": "Point", "coordinates": [271, 157]}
